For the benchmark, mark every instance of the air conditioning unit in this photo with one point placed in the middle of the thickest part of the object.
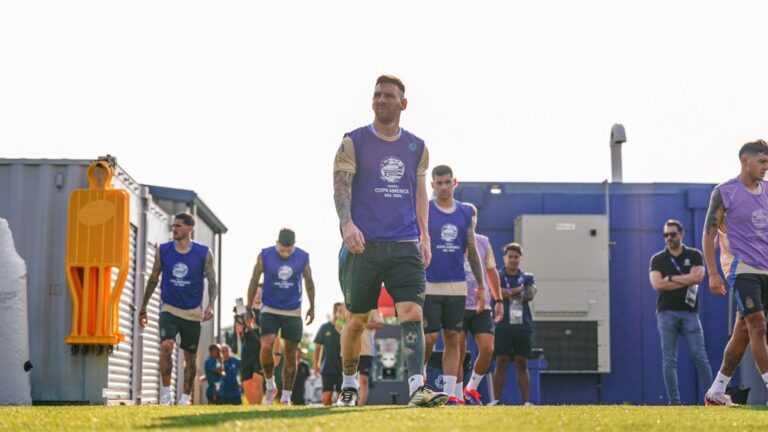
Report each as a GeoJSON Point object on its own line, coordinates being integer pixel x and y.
{"type": "Point", "coordinates": [568, 255]}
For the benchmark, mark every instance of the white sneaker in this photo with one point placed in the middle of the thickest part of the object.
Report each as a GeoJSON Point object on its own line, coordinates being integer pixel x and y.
{"type": "Point", "coordinates": [528, 404]}
{"type": "Point", "coordinates": [718, 399]}
{"type": "Point", "coordinates": [493, 403]}
{"type": "Point", "coordinates": [185, 402]}
{"type": "Point", "coordinates": [269, 397]}
{"type": "Point", "coordinates": [166, 400]}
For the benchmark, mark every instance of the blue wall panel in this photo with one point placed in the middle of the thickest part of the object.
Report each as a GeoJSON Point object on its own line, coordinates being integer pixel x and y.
{"type": "Point", "coordinates": [637, 215]}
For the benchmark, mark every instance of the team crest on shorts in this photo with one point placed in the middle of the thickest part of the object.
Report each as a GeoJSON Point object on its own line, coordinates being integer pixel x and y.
{"type": "Point", "coordinates": [392, 169]}
{"type": "Point", "coordinates": [749, 303]}
{"type": "Point", "coordinates": [180, 270]}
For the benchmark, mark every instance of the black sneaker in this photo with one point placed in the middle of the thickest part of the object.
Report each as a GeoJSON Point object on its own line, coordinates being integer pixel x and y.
{"type": "Point", "coordinates": [348, 397]}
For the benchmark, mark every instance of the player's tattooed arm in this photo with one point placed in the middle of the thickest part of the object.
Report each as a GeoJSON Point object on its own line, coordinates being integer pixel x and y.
{"type": "Point", "coordinates": [342, 194]}
{"type": "Point", "coordinates": [473, 256]}
{"type": "Point", "coordinates": [713, 221]}
{"type": "Point", "coordinates": [258, 269]}
{"type": "Point", "coordinates": [210, 275]}
{"type": "Point", "coordinates": [310, 288]}
{"type": "Point", "coordinates": [154, 279]}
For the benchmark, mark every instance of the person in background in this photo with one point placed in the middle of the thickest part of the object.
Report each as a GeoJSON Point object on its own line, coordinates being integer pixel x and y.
{"type": "Point", "coordinates": [230, 383]}
{"type": "Point", "coordinates": [327, 358]}
{"type": "Point", "coordinates": [302, 374]}
{"type": "Point", "coordinates": [213, 373]}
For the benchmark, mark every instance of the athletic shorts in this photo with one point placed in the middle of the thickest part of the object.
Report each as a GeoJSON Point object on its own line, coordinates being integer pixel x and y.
{"type": "Point", "coordinates": [171, 325]}
{"type": "Point", "coordinates": [751, 293]}
{"type": "Point", "coordinates": [365, 365]}
{"type": "Point", "coordinates": [331, 382]}
{"type": "Point", "coordinates": [477, 323]}
{"type": "Point", "coordinates": [248, 367]}
{"type": "Point", "coordinates": [396, 264]}
{"type": "Point", "coordinates": [512, 342]}
{"type": "Point", "coordinates": [443, 312]}
{"type": "Point", "coordinates": [291, 326]}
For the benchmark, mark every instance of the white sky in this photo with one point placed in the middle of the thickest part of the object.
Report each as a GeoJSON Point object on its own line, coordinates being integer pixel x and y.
{"type": "Point", "coordinates": [246, 102]}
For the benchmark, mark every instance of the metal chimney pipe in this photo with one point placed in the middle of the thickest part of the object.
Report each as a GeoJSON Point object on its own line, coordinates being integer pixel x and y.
{"type": "Point", "coordinates": [618, 137]}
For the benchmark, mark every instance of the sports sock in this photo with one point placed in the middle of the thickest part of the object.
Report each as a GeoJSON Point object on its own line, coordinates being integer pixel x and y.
{"type": "Point", "coordinates": [474, 382]}
{"type": "Point", "coordinates": [720, 383]}
{"type": "Point", "coordinates": [413, 348]}
{"type": "Point", "coordinates": [165, 391]}
{"type": "Point", "coordinates": [350, 381]}
{"type": "Point", "coordinates": [414, 382]}
{"type": "Point", "coordinates": [184, 399]}
{"type": "Point", "coordinates": [449, 384]}
{"type": "Point", "coordinates": [286, 396]}
{"type": "Point", "coordinates": [765, 378]}
{"type": "Point", "coordinates": [271, 383]}
{"type": "Point", "coordinates": [458, 390]}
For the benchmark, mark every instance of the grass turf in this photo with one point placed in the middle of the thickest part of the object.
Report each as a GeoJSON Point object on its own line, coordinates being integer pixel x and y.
{"type": "Point", "coordinates": [385, 418]}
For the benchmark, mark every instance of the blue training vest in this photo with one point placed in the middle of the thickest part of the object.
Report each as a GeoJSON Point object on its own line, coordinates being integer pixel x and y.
{"type": "Point", "coordinates": [448, 234]}
{"type": "Point", "coordinates": [282, 278]}
{"type": "Point", "coordinates": [183, 274]}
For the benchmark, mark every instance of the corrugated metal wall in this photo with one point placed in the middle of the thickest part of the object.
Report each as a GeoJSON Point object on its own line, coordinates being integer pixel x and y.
{"type": "Point", "coordinates": [637, 214]}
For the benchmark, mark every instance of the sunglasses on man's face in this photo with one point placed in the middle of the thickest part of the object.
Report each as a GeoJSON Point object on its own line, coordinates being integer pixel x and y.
{"type": "Point", "coordinates": [670, 235]}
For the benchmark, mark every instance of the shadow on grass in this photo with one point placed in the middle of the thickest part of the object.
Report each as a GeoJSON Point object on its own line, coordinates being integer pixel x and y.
{"type": "Point", "coordinates": [192, 420]}
{"type": "Point", "coordinates": [753, 407]}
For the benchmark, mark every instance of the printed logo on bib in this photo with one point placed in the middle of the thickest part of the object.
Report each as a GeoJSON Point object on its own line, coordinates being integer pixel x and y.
{"type": "Point", "coordinates": [448, 234]}
{"type": "Point", "coordinates": [180, 270]}
{"type": "Point", "coordinates": [392, 171]}
{"type": "Point", "coordinates": [284, 273]}
{"type": "Point", "coordinates": [760, 219]}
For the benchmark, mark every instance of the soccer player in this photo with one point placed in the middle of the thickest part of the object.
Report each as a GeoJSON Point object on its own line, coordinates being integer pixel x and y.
{"type": "Point", "coordinates": [213, 374]}
{"type": "Point", "coordinates": [381, 200]}
{"type": "Point", "coordinates": [452, 230]}
{"type": "Point", "coordinates": [481, 324]}
{"type": "Point", "coordinates": [250, 367]}
{"type": "Point", "coordinates": [327, 356]}
{"type": "Point", "coordinates": [184, 266]}
{"type": "Point", "coordinates": [284, 266]}
{"type": "Point", "coordinates": [514, 334]}
{"type": "Point", "coordinates": [738, 211]}
{"type": "Point", "coordinates": [230, 383]}
{"type": "Point", "coordinates": [366, 354]}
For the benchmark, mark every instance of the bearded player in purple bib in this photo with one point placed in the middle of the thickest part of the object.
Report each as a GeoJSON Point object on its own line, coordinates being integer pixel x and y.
{"type": "Point", "coordinates": [381, 199]}
{"type": "Point", "coordinates": [738, 217]}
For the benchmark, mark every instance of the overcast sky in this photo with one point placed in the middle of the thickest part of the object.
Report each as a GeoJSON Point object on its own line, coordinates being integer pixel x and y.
{"type": "Point", "coordinates": [246, 102]}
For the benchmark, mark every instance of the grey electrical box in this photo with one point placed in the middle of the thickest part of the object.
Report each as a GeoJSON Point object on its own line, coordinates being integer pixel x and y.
{"type": "Point", "coordinates": [568, 255]}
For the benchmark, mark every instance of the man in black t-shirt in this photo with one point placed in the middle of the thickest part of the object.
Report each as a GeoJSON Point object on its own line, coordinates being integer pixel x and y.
{"type": "Point", "coordinates": [302, 374]}
{"type": "Point", "coordinates": [328, 340]}
{"type": "Point", "coordinates": [675, 274]}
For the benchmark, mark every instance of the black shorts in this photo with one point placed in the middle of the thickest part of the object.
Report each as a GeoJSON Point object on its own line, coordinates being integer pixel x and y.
{"type": "Point", "coordinates": [396, 264]}
{"type": "Point", "coordinates": [248, 367]}
{"type": "Point", "coordinates": [331, 382]}
{"type": "Point", "coordinates": [365, 365]}
{"type": "Point", "coordinates": [291, 326]}
{"type": "Point", "coordinates": [477, 323]}
{"type": "Point", "coordinates": [512, 342]}
{"type": "Point", "coordinates": [443, 312]}
{"type": "Point", "coordinates": [751, 293]}
{"type": "Point", "coordinates": [171, 325]}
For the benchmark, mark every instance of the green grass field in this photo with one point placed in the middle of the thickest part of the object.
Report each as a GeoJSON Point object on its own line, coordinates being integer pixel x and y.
{"type": "Point", "coordinates": [386, 418]}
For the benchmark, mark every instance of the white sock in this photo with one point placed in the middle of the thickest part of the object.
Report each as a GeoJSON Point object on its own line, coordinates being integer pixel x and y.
{"type": "Point", "coordinates": [720, 383]}
{"type": "Point", "coordinates": [286, 397]}
{"type": "Point", "coordinates": [184, 399]}
{"type": "Point", "coordinates": [271, 383]}
{"type": "Point", "coordinates": [165, 391]}
{"type": "Point", "coordinates": [474, 382]}
{"type": "Point", "coordinates": [414, 382]}
{"type": "Point", "coordinates": [449, 383]}
{"type": "Point", "coordinates": [765, 378]}
{"type": "Point", "coordinates": [458, 390]}
{"type": "Point", "coordinates": [350, 381]}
